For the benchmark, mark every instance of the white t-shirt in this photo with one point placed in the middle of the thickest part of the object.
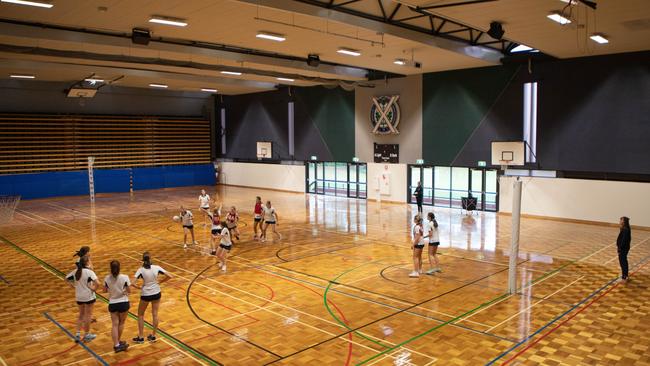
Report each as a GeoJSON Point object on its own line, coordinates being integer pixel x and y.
{"type": "Point", "coordinates": [81, 288]}
{"type": "Point", "coordinates": [205, 201]}
{"type": "Point", "coordinates": [432, 231]}
{"type": "Point", "coordinates": [225, 237]}
{"type": "Point", "coordinates": [186, 218]}
{"type": "Point", "coordinates": [150, 278]}
{"type": "Point", "coordinates": [418, 229]}
{"type": "Point", "coordinates": [117, 288]}
{"type": "Point", "coordinates": [269, 214]}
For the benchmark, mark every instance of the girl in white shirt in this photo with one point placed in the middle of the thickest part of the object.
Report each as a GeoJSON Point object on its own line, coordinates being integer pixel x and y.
{"type": "Point", "coordinates": [188, 225]}
{"type": "Point", "coordinates": [118, 287]}
{"type": "Point", "coordinates": [215, 230]}
{"type": "Point", "coordinates": [417, 245]}
{"type": "Point", "coordinates": [270, 218]}
{"type": "Point", "coordinates": [224, 246]}
{"type": "Point", "coordinates": [84, 281]}
{"type": "Point", "coordinates": [434, 242]}
{"type": "Point", "coordinates": [150, 294]}
{"type": "Point", "coordinates": [204, 206]}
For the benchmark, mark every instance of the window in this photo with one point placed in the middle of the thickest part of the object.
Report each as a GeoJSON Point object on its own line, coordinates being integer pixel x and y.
{"type": "Point", "coordinates": [530, 121]}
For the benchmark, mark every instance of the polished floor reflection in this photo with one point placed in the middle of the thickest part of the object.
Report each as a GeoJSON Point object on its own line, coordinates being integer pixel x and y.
{"type": "Point", "coordinates": [334, 290]}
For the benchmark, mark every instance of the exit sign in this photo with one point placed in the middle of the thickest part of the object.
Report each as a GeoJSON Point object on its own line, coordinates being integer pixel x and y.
{"type": "Point", "coordinates": [419, 161]}
{"type": "Point", "coordinates": [482, 163]}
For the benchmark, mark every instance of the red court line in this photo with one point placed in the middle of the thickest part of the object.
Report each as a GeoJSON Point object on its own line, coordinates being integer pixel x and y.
{"type": "Point", "coordinates": [32, 362]}
{"type": "Point", "coordinates": [270, 289]}
{"type": "Point", "coordinates": [530, 345]}
{"type": "Point", "coordinates": [214, 302]}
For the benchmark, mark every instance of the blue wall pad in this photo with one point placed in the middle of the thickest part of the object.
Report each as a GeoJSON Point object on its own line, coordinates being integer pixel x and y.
{"type": "Point", "coordinates": [112, 180]}
{"type": "Point", "coordinates": [41, 185]}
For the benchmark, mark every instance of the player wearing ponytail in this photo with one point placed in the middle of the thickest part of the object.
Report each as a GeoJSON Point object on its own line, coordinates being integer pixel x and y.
{"type": "Point", "coordinates": [84, 281]}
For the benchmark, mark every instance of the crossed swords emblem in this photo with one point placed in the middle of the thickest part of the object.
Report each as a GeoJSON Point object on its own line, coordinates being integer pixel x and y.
{"type": "Point", "coordinates": [383, 109]}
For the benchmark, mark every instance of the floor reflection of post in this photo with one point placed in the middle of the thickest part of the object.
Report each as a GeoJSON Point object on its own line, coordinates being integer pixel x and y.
{"type": "Point", "coordinates": [514, 244]}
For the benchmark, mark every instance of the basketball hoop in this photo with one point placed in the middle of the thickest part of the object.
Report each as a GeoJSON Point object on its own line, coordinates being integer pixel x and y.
{"type": "Point", "coordinates": [8, 206]}
{"type": "Point", "coordinates": [504, 164]}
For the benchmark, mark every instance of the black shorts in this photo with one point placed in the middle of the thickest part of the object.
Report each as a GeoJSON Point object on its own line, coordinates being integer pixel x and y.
{"type": "Point", "coordinates": [418, 246]}
{"type": "Point", "coordinates": [86, 302]}
{"type": "Point", "coordinates": [435, 244]}
{"type": "Point", "coordinates": [216, 231]}
{"type": "Point", "coordinates": [270, 222]}
{"type": "Point", "coordinates": [188, 226]}
{"type": "Point", "coordinates": [226, 247]}
{"type": "Point", "coordinates": [205, 208]}
{"type": "Point", "coordinates": [151, 297]}
{"type": "Point", "coordinates": [120, 307]}
{"type": "Point", "coordinates": [258, 219]}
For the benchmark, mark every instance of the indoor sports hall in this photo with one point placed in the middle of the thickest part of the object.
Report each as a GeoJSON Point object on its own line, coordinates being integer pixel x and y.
{"type": "Point", "coordinates": [324, 182]}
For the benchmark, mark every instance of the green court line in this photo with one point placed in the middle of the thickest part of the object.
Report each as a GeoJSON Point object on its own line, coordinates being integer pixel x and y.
{"type": "Point", "coordinates": [167, 336]}
{"type": "Point", "coordinates": [532, 282]}
{"type": "Point", "coordinates": [329, 285]}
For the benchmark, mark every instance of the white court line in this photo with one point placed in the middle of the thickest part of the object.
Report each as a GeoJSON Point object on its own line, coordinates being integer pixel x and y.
{"type": "Point", "coordinates": [49, 220]}
{"type": "Point", "coordinates": [2, 361]}
{"type": "Point", "coordinates": [43, 223]}
{"type": "Point", "coordinates": [531, 306]}
{"type": "Point", "coordinates": [635, 245]}
{"type": "Point", "coordinates": [278, 304]}
{"type": "Point", "coordinates": [13, 313]}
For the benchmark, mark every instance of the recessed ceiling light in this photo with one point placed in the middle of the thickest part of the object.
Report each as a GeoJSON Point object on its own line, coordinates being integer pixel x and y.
{"type": "Point", "coordinates": [271, 36]}
{"type": "Point", "coordinates": [29, 3]}
{"type": "Point", "coordinates": [286, 79]}
{"type": "Point", "coordinates": [209, 90]}
{"type": "Point", "coordinates": [158, 85]}
{"type": "Point", "coordinates": [94, 80]}
{"type": "Point", "coordinates": [600, 38]}
{"type": "Point", "coordinates": [20, 76]}
{"type": "Point", "coordinates": [521, 48]}
{"type": "Point", "coordinates": [231, 73]}
{"type": "Point", "coordinates": [558, 17]}
{"type": "Point", "coordinates": [400, 62]}
{"type": "Point", "coordinates": [168, 21]}
{"type": "Point", "coordinates": [349, 52]}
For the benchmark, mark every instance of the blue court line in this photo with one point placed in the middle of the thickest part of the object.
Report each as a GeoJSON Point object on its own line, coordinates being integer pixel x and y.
{"type": "Point", "coordinates": [4, 280]}
{"type": "Point", "coordinates": [558, 317]}
{"type": "Point", "coordinates": [101, 360]}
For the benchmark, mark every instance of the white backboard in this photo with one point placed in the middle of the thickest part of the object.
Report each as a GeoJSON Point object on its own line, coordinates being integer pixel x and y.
{"type": "Point", "coordinates": [264, 149]}
{"type": "Point", "coordinates": [509, 153]}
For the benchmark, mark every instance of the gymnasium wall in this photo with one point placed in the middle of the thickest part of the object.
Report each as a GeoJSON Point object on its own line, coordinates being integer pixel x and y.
{"type": "Point", "coordinates": [397, 174]}
{"type": "Point", "coordinates": [269, 176]}
{"type": "Point", "coordinates": [323, 123]}
{"type": "Point", "coordinates": [593, 113]}
{"type": "Point", "coordinates": [590, 200]}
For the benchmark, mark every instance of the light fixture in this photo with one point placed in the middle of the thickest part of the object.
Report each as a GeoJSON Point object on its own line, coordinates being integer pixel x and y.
{"type": "Point", "coordinates": [231, 73]}
{"type": "Point", "coordinates": [29, 3]}
{"type": "Point", "coordinates": [556, 16]}
{"type": "Point", "coordinates": [271, 36]}
{"type": "Point", "coordinates": [209, 90]}
{"type": "Point", "coordinates": [286, 79]}
{"type": "Point", "coordinates": [158, 86]}
{"type": "Point", "coordinates": [400, 61]}
{"type": "Point", "coordinates": [94, 80]}
{"type": "Point", "coordinates": [496, 30]}
{"type": "Point", "coordinates": [599, 37]}
{"type": "Point", "coordinates": [20, 76]}
{"type": "Point", "coordinates": [521, 48]}
{"type": "Point", "coordinates": [349, 52]}
{"type": "Point", "coordinates": [168, 21]}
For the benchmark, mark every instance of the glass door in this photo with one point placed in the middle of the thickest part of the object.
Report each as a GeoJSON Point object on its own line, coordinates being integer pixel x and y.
{"type": "Point", "coordinates": [459, 185]}
{"type": "Point", "coordinates": [491, 189]}
{"type": "Point", "coordinates": [361, 177]}
{"type": "Point", "coordinates": [416, 176]}
{"type": "Point", "coordinates": [442, 186]}
{"type": "Point", "coordinates": [476, 187]}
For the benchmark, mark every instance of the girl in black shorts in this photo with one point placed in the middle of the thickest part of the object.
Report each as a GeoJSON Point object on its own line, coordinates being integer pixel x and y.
{"type": "Point", "coordinates": [84, 281]}
{"type": "Point", "coordinates": [150, 294]}
{"type": "Point", "coordinates": [118, 287]}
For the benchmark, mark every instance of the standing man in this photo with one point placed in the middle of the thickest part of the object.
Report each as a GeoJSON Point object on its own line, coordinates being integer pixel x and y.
{"type": "Point", "coordinates": [419, 195]}
{"type": "Point", "coordinates": [623, 246]}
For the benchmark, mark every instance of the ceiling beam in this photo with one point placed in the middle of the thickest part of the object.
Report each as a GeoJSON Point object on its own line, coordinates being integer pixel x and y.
{"type": "Point", "coordinates": [54, 33]}
{"type": "Point", "coordinates": [376, 23]}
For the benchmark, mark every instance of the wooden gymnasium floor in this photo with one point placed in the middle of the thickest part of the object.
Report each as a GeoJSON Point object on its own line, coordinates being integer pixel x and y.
{"type": "Point", "coordinates": [333, 291]}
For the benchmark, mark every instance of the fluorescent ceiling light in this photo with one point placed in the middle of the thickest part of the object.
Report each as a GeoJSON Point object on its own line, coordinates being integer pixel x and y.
{"type": "Point", "coordinates": [521, 48]}
{"type": "Point", "coordinates": [599, 38]}
{"type": "Point", "coordinates": [209, 90]}
{"type": "Point", "coordinates": [400, 62]}
{"type": "Point", "coordinates": [349, 52]}
{"type": "Point", "coordinates": [18, 76]}
{"type": "Point", "coordinates": [271, 36]}
{"type": "Point", "coordinates": [285, 79]}
{"type": "Point", "coordinates": [29, 3]}
{"type": "Point", "coordinates": [231, 73]}
{"type": "Point", "coordinates": [557, 17]}
{"type": "Point", "coordinates": [94, 80]}
{"type": "Point", "coordinates": [168, 21]}
{"type": "Point", "coordinates": [158, 85]}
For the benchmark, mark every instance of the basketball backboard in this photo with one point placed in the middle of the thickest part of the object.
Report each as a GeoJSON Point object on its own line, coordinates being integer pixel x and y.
{"type": "Point", "coordinates": [508, 153]}
{"type": "Point", "coordinates": [264, 150]}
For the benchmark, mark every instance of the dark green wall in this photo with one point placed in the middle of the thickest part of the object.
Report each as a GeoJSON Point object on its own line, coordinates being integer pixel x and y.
{"type": "Point", "coordinates": [453, 105]}
{"type": "Point", "coordinates": [332, 112]}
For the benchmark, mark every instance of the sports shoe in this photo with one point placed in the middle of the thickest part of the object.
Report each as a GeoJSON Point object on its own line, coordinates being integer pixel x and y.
{"type": "Point", "coordinates": [138, 340]}
{"type": "Point", "coordinates": [121, 347]}
{"type": "Point", "coordinates": [213, 252]}
{"type": "Point", "coordinates": [223, 268]}
{"type": "Point", "coordinates": [89, 337]}
{"type": "Point", "coordinates": [184, 246]}
{"type": "Point", "coordinates": [437, 269]}
{"type": "Point", "coordinates": [196, 242]}
{"type": "Point", "coordinates": [430, 272]}
{"type": "Point", "coordinates": [151, 338]}
{"type": "Point", "coordinates": [77, 338]}
{"type": "Point", "coordinates": [414, 274]}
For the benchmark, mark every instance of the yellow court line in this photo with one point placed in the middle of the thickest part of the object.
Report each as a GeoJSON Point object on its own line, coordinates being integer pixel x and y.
{"type": "Point", "coordinates": [2, 362]}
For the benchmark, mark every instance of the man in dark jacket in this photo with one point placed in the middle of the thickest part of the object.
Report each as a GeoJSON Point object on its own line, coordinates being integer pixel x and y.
{"type": "Point", "coordinates": [623, 245]}
{"type": "Point", "coordinates": [419, 195]}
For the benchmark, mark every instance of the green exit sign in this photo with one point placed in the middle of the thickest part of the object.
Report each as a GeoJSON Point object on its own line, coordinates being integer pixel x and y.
{"type": "Point", "coordinates": [355, 159]}
{"type": "Point", "coordinates": [419, 161]}
{"type": "Point", "coordinates": [482, 163]}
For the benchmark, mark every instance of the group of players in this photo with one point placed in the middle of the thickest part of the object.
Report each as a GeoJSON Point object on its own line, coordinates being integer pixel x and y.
{"type": "Point", "coordinates": [223, 231]}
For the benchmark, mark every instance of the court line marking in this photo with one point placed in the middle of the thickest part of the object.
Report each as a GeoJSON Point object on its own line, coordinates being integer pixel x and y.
{"type": "Point", "coordinates": [561, 316]}
{"type": "Point", "coordinates": [23, 212]}
{"type": "Point", "coordinates": [267, 309]}
{"type": "Point", "coordinates": [2, 361]}
{"type": "Point", "coordinates": [131, 315]}
{"type": "Point", "coordinates": [82, 344]}
{"type": "Point", "coordinates": [43, 223]}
